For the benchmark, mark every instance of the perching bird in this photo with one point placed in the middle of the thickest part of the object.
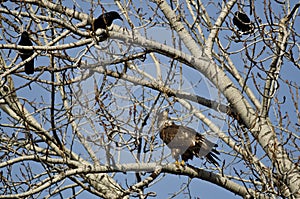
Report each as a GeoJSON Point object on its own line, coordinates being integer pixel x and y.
{"type": "Point", "coordinates": [242, 21]}
{"type": "Point", "coordinates": [105, 20]}
{"type": "Point", "coordinates": [25, 41]}
{"type": "Point", "coordinates": [184, 141]}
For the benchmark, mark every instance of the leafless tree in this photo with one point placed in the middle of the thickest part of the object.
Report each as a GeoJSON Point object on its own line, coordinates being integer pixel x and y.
{"type": "Point", "coordinates": [84, 124]}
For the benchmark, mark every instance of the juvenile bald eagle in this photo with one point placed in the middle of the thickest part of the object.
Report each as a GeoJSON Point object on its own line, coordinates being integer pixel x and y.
{"type": "Point", "coordinates": [184, 141]}
{"type": "Point", "coordinates": [242, 21]}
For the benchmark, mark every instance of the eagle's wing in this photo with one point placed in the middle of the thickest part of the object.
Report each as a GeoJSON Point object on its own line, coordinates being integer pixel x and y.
{"type": "Point", "coordinates": [177, 139]}
{"type": "Point", "coordinates": [178, 136]}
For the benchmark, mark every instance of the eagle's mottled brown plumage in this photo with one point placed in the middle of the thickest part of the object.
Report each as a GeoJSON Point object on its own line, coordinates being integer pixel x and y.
{"type": "Point", "coordinates": [184, 141]}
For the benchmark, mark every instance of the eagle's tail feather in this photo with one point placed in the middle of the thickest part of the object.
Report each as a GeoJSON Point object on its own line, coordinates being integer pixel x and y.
{"type": "Point", "coordinates": [212, 158]}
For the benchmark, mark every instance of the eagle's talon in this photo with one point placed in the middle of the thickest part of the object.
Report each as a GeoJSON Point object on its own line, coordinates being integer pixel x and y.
{"type": "Point", "coordinates": [177, 163]}
{"type": "Point", "coordinates": [182, 163]}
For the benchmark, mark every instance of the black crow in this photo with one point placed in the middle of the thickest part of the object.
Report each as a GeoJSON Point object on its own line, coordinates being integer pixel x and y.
{"type": "Point", "coordinates": [242, 21]}
{"type": "Point", "coordinates": [105, 20]}
{"type": "Point", "coordinates": [25, 41]}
